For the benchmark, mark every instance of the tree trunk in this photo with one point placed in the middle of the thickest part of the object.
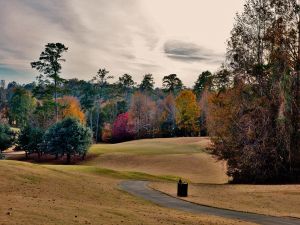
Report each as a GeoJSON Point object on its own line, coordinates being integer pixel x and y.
{"type": "Point", "coordinates": [98, 119]}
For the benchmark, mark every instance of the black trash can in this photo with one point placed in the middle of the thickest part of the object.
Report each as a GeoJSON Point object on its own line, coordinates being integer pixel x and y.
{"type": "Point", "coordinates": [182, 189]}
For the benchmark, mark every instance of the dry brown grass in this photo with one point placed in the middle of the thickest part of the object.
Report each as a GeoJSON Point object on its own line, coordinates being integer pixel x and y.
{"type": "Point", "coordinates": [35, 194]}
{"type": "Point", "coordinates": [180, 157]}
{"type": "Point", "coordinates": [277, 200]}
{"type": "Point", "coordinates": [195, 167]}
{"type": "Point", "coordinates": [57, 194]}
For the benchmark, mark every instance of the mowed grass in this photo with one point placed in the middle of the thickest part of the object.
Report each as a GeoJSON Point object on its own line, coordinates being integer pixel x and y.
{"type": "Point", "coordinates": [154, 146]}
{"type": "Point", "coordinates": [41, 194]}
{"type": "Point", "coordinates": [92, 186]}
{"type": "Point", "coordinates": [184, 158]}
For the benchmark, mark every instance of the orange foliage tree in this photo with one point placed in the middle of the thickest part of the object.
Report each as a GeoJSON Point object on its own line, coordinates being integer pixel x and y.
{"type": "Point", "coordinates": [187, 113]}
{"type": "Point", "coordinates": [70, 107]}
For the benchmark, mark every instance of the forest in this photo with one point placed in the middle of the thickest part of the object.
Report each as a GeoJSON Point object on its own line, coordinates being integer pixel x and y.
{"type": "Point", "coordinates": [250, 107]}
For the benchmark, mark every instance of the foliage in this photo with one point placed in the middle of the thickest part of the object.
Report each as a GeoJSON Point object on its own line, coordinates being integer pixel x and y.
{"type": "Point", "coordinates": [172, 84]}
{"type": "Point", "coordinates": [187, 113]}
{"type": "Point", "coordinates": [21, 107]}
{"type": "Point", "coordinates": [204, 81]}
{"type": "Point", "coordinates": [126, 81]}
{"type": "Point", "coordinates": [147, 83]}
{"type": "Point", "coordinates": [121, 129]}
{"type": "Point", "coordinates": [142, 115]}
{"type": "Point", "coordinates": [44, 115]}
{"type": "Point", "coordinates": [68, 137]}
{"type": "Point", "coordinates": [70, 107]}
{"type": "Point", "coordinates": [168, 116]}
{"type": "Point", "coordinates": [254, 116]}
{"type": "Point", "coordinates": [49, 65]}
{"type": "Point", "coordinates": [30, 139]}
{"type": "Point", "coordinates": [7, 137]}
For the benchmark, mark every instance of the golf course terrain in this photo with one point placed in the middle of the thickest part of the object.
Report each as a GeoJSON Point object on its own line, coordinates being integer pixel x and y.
{"type": "Point", "coordinates": [88, 192]}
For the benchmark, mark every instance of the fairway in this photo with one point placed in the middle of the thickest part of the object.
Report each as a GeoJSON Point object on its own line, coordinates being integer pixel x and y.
{"type": "Point", "coordinates": [41, 194]}
{"type": "Point", "coordinates": [184, 158]}
{"type": "Point", "coordinates": [88, 193]}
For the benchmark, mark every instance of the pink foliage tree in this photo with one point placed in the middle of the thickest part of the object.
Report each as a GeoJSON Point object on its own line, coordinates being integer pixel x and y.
{"type": "Point", "coordinates": [121, 129]}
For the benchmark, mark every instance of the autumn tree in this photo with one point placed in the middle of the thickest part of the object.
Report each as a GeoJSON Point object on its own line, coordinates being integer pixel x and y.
{"type": "Point", "coordinates": [187, 113]}
{"type": "Point", "coordinates": [263, 113]}
{"type": "Point", "coordinates": [69, 106]}
{"type": "Point", "coordinates": [142, 115]}
{"type": "Point", "coordinates": [49, 65]}
{"type": "Point", "coordinates": [121, 130]}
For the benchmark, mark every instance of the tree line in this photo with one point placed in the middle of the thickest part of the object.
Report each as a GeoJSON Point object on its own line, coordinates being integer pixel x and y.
{"type": "Point", "coordinates": [107, 108]}
{"type": "Point", "coordinates": [250, 107]}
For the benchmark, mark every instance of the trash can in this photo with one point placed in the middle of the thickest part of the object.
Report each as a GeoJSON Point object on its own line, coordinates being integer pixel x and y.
{"type": "Point", "coordinates": [182, 189]}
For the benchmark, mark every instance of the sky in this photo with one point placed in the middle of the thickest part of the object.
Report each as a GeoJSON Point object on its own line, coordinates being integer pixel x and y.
{"type": "Point", "coordinates": [137, 37]}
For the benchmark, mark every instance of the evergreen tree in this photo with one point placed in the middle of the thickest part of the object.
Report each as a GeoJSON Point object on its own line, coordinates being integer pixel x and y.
{"type": "Point", "coordinates": [49, 65]}
{"type": "Point", "coordinates": [68, 137]}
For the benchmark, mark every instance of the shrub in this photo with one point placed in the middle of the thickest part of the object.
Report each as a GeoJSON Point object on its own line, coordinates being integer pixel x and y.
{"type": "Point", "coordinates": [7, 137]}
{"type": "Point", "coordinates": [68, 137]}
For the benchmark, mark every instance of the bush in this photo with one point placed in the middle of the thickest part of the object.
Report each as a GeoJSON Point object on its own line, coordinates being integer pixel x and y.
{"type": "Point", "coordinates": [7, 137]}
{"type": "Point", "coordinates": [30, 140]}
{"type": "Point", "coordinates": [68, 137]}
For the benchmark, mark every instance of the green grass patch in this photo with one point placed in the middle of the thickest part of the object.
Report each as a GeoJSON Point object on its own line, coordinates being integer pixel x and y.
{"type": "Point", "coordinates": [111, 173]}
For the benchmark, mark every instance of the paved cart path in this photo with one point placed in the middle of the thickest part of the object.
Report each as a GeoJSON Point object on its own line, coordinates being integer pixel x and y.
{"type": "Point", "coordinates": [141, 189]}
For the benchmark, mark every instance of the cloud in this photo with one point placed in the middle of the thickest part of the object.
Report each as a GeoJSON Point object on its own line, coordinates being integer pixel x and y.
{"type": "Point", "coordinates": [99, 33]}
{"type": "Point", "coordinates": [123, 36]}
{"type": "Point", "coordinates": [190, 52]}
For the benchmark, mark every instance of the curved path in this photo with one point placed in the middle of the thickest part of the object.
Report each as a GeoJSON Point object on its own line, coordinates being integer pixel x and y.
{"type": "Point", "coordinates": [141, 189]}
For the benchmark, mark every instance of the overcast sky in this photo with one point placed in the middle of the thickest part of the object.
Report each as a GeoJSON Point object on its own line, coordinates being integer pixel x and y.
{"type": "Point", "coordinates": [136, 37]}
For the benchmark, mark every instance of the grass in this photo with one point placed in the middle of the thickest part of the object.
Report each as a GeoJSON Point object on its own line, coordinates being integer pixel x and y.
{"type": "Point", "coordinates": [128, 175]}
{"type": "Point", "coordinates": [55, 194]}
{"type": "Point", "coordinates": [176, 158]}
{"type": "Point", "coordinates": [153, 146]}
{"type": "Point", "coordinates": [52, 194]}
{"type": "Point", "coordinates": [276, 200]}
